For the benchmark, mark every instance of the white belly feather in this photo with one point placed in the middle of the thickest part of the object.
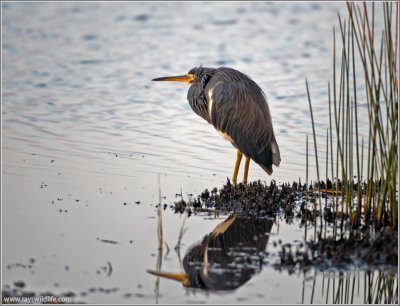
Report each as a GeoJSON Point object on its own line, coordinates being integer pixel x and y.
{"type": "Point", "coordinates": [210, 102]}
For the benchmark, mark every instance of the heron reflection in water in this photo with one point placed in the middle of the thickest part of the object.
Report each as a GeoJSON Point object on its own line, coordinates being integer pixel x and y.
{"type": "Point", "coordinates": [227, 257]}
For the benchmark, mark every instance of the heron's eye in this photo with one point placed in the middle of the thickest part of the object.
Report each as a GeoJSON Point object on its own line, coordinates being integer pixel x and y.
{"type": "Point", "coordinates": [192, 78]}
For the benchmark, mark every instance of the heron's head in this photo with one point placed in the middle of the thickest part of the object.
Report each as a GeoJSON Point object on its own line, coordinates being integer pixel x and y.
{"type": "Point", "coordinates": [195, 75]}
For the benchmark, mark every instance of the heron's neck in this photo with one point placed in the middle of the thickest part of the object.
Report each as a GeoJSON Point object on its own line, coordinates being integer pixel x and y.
{"type": "Point", "coordinates": [198, 101]}
{"type": "Point", "coordinates": [197, 97]}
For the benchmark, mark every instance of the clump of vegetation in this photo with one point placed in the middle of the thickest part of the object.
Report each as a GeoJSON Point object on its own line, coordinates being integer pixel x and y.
{"type": "Point", "coordinates": [368, 74]}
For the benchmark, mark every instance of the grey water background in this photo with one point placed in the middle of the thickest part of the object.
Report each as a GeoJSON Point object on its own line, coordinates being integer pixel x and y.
{"type": "Point", "coordinates": [85, 133]}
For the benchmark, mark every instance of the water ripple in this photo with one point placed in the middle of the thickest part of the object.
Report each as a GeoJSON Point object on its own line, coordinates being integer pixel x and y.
{"type": "Point", "coordinates": [91, 101]}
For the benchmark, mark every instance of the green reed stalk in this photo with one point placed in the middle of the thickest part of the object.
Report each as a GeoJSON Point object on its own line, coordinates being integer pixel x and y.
{"type": "Point", "coordinates": [326, 166]}
{"type": "Point", "coordinates": [305, 208]}
{"type": "Point", "coordinates": [334, 198]}
{"type": "Point", "coordinates": [316, 152]}
{"type": "Point", "coordinates": [359, 160]}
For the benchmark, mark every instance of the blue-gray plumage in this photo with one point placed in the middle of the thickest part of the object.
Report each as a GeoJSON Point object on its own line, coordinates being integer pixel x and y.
{"type": "Point", "coordinates": [237, 107]}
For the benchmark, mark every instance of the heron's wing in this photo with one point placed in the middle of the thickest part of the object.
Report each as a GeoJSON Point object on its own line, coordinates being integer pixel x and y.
{"type": "Point", "coordinates": [240, 111]}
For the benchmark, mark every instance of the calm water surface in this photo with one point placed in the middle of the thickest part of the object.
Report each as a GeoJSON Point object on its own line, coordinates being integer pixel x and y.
{"type": "Point", "coordinates": [85, 134]}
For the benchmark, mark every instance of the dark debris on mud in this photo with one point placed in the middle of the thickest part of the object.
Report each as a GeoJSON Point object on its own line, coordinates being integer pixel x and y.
{"type": "Point", "coordinates": [360, 248]}
{"type": "Point", "coordinates": [255, 199]}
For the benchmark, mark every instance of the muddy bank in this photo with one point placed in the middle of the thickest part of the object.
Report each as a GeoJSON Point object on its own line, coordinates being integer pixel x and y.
{"type": "Point", "coordinates": [255, 199]}
{"type": "Point", "coordinates": [363, 249]}
{"type": "Point", "coordinates": [339, 246]}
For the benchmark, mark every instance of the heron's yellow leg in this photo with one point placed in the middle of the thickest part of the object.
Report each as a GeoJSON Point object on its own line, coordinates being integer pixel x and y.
{"type": "Point", "coordinates": [237, 165]}
{"type": "Point", "coordinates": [246, 170]}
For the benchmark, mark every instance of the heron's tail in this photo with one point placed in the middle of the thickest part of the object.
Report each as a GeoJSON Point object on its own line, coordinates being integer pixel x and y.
{"type": "Point", "coordinates": [276, 155]}
{"type": "Point", "coordinates": [268, 157]}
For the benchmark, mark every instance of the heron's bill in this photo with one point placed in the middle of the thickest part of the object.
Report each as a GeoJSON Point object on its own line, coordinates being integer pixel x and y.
{"type": "Point", "coordinates": [187, 78]}
{"type": "Point", "coordinates": [180, 277]}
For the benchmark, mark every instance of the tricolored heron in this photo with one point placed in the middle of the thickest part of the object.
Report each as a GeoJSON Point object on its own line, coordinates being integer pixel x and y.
{"type": "Point", "coordinates": [237, 107]}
